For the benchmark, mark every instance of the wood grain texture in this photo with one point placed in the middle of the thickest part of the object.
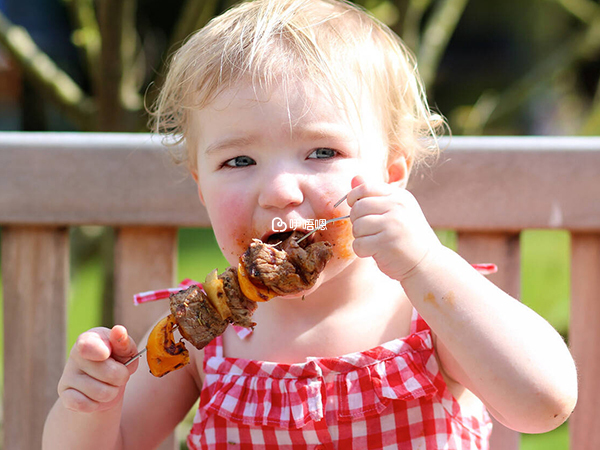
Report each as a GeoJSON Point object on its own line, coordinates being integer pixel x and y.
{"type": "Point", "coordinates": [35, 281]}
{"type": "Point", "coordinates": [145, 259]}
{"type": "Point", "coordinates": [479, 184]}
{"type": "Point", "coordinates": [105, 179]}
{"type": "Point", "coordinates": [503, 250]}
{"type": "Point", "coordinates": [584, 339]}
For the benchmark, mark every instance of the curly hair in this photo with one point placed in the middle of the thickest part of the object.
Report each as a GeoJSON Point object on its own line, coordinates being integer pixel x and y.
{"type": "Point", "coordinates": [332, 43]}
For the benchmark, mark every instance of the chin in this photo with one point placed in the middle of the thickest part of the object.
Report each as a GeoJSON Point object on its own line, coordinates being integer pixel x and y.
{"type": "Point", "coordinates": [335, 268]}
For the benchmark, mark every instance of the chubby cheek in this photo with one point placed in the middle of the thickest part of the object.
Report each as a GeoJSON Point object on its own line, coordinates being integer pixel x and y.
{"type": "Point", "coordinates": [230, 219]}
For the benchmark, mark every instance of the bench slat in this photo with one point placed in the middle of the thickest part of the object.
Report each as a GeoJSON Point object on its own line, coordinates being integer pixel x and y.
{"type": "Point", "coordinates": [56, 180]}
{"type": "Point", "coordinates": [478, 190]}
{"type": "Point", "coordinates": [145, 259]}
{"type": "Point", "coordinates": [584, 339]}
{"type": "Point", "coordinates": [502, 250]}
{"type": "Point", "coordinates": [35, 272]}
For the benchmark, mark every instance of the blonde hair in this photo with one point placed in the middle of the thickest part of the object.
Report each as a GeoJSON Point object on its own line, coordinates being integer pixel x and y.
{"type": "Point", "coordinates": [332, 43]}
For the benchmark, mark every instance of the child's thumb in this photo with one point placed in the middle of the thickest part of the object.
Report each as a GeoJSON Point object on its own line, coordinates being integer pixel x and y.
{"type": "Point", "coordinates": [122, 345]}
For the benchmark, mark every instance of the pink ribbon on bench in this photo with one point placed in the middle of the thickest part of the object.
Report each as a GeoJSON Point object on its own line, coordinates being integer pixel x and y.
{"type": "Point", "coordinates": [151, 296]}
{"type": "Point", "coordinates": [161, 294]}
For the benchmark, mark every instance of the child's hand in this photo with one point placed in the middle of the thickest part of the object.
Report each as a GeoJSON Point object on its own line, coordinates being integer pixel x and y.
{"type": "Point", "coordinates": [388, 224]}
{"type": "Point", "coordinates": [94, 378]}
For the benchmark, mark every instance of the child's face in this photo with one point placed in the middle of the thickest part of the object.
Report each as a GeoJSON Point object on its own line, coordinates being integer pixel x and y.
{"type": "Point", "coordinates": [271, 158]}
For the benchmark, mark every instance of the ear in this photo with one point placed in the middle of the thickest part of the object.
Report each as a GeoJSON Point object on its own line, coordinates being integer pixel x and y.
{"type": "Point", "coordinates": [398, 170]}
{"type": "Point", "coordinates": [200, 196]}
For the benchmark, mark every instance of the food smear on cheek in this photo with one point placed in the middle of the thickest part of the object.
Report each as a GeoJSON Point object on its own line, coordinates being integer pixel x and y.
{"type": "Point", "coordinates": [234, 240]}
{"type": "Point", "coordinates": [339, 234]}
{"type": "Point", "coordinates": [241, 238]}
{"type": "Point", "coordinates": [235, 235]}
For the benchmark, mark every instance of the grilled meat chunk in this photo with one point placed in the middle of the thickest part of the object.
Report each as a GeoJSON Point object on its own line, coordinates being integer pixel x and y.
{"type": "Point", "coordinates": [289, 267]}
{"type": "Point", "coordinates": [198, 321]}
{"type": "Point", "coordinates": [241, 307]}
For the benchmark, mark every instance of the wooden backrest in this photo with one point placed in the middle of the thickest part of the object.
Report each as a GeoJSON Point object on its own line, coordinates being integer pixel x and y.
{"type": "Point", "coordinates": [488, 189]}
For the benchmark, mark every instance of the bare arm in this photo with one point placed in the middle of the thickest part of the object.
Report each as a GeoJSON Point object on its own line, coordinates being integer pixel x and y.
{"type": "Point", "coordinates": [487, 341]}
{"type": "Point", "coordinates": [88, 411]}
{"type": "Point", "coordinates": [493, 345]}
{"type": "Point", "coordinates": [153, 407]}
{"type": "Point", "coordinates": [68, 429]}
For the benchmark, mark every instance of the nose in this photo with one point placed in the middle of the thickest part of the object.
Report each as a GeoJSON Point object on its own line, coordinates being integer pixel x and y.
{"type": "Point", "coordinates": [281, 191]}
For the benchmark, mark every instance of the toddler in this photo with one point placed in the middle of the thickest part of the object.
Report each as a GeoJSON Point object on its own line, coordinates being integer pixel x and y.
{"type": "Point", "coordinates": [285, 107]}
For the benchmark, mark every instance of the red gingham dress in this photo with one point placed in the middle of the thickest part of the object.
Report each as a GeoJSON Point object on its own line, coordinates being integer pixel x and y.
{"type": "Point", "coordinates": [389, 397]}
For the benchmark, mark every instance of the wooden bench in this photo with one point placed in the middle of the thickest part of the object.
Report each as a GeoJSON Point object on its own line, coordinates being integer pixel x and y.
{"type": "Point", "coordinates": [488, 189]}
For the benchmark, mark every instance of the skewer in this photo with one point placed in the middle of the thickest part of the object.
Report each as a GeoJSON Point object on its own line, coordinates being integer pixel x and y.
{"type": "Point", "coordinates": [340, 201]}
{"type": "Point", "coordinates": [136, 356]}
{"type": "Point", "coordinates": [321, 227]}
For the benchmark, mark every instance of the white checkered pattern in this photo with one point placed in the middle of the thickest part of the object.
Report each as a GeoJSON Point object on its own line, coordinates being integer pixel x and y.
{"type": "Point", "coordinates": [390, 397]}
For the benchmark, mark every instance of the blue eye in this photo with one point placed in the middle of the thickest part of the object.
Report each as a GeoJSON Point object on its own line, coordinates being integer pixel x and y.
{"type": "Point", "coordinates": [239, 161]}
{"type": "Point", "coordinates": [322, 153]}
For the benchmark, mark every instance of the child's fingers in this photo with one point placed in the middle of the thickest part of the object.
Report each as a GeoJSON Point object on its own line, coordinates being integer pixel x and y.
{"type": "Point", "coordinates": [93, 345]}
{"type": "Point", "coordinates": [357, 181]}
{"type": "Point", "coordinates": [365, 246]}
{"type": "Point", "coordinates": [123, 346]}
{"type": "Point", "coordinates": [368, 225]}
{"type": "Point", "coordinates": [85, 394]}
{"type": "Point", "coordinates": [364, 190]}
{"type": "Point", "coordinates": [95, 390]}
{"type": "Point", "coordinates": [109, 371]}
{"type": "Point", "coordinates": [74, 400]}
{"type": "Point", "coordinates": [374, 206]}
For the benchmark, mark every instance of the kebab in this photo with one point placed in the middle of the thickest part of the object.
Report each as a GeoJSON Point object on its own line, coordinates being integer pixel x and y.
{"type": "Point", "coordinates": [286, 264]}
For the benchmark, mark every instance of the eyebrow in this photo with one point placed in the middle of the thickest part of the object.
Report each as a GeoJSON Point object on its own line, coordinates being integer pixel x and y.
{"type": "Point", "coordinates": [321, 132]}
{"type": "Point", "coordinates": [318, 133]}
{"type": "Point", "coordinates": [232, 142]}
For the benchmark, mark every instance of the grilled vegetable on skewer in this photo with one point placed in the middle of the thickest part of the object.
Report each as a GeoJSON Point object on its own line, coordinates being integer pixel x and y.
{"type": "Point", "coordinates": [201, 315]}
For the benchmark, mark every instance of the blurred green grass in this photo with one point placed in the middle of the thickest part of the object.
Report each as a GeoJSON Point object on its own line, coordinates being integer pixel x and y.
{"type": "Point", "coordinates": [545, 273]}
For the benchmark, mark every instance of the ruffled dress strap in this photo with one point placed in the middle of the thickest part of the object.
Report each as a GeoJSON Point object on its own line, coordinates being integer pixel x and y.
{"type": "Point", "coordinates": [396, 388]}
{"type": "Point", "coordinates": [292, 395]}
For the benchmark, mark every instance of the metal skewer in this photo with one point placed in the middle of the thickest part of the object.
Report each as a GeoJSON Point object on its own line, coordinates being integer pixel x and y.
{"type": "Point", "coordinates": [321, 227]}
{"type": "Point", "coordinates": [136, 356]}
{"type": "Point", "coordinates": [340, 201]}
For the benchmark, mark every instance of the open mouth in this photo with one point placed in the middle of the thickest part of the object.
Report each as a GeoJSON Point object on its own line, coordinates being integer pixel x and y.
{"type": "Point", "coordinates": [276, 238]}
